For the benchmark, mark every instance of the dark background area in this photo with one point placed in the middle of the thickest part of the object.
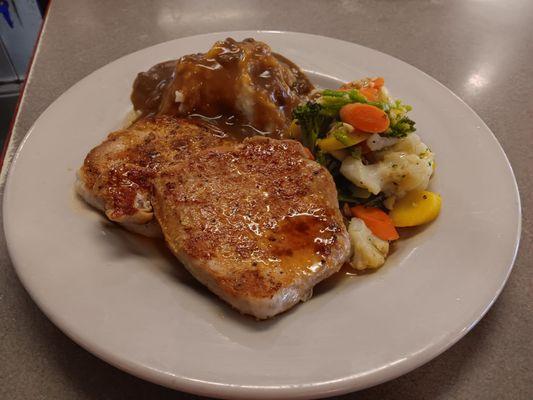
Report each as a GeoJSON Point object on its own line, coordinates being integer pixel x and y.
{"type": "Point", "coordinates": [7, 109]}
{"type": "Point", "coordinates": [19, 27]}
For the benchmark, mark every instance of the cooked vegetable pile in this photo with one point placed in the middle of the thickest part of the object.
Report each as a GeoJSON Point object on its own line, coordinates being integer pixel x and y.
{"type": "Point", "coordinates": [381, 168]}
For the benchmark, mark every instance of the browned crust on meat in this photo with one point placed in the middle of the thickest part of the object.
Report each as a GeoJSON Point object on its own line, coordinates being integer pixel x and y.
{"type": "Point", "coordinates": [253, 220]}
{"type": "Point", "coordinates": [120, 170]}
{"type": "Point", "coordinates": [257, 222]}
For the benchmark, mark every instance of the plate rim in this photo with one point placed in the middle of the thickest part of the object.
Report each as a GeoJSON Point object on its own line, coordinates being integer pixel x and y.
{"type": "Point", "coordinates": [321, 389]}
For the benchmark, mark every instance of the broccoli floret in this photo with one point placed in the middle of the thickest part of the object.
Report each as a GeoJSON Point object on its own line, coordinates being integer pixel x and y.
{"type": "Point", "coordinates": [402, 127]}
{"type": "Point", "coordinates": [312, 121]}
{"type": "Point", "coordinates": [400, 124]}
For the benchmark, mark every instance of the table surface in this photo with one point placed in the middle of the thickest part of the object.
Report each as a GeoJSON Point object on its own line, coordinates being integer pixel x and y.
{"type": "Point", "coordinates": [481, 50]}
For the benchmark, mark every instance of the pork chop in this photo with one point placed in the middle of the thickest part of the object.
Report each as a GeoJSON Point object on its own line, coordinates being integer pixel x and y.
{"type": "Point", "coordinates": [116, 175]}
{"type": "Point", "coordinates": [258, 223]}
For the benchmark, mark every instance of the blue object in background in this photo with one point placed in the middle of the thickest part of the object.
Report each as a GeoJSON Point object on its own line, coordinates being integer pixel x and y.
{"type": "Point", "coordinates": [4, 10]}
{"type": "Point", "coordinates": [19, 27]}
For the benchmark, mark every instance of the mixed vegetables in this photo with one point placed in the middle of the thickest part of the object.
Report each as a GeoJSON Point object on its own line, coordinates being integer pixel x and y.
{"type": "Point", "coordinates": [380, 166]}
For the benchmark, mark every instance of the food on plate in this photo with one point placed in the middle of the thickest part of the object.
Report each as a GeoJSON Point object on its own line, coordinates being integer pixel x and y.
{"type": "Point", "coordinates": [381, 168]}
{"type": "Point", "coordinates": [116, 176]}
{"type": "Point", "coordinates": [243, 167]}
{"type": "Point", "coordinates": [368, 250]}
{"type": "Point", "coordinates": [401, 167]}
{"type": "Point", "coordinates": [242, 86]}
{"type": "Point", "coordinates": [258, 222]}
{"type": "Point", "coordinates": [416, 208]}
{"type": "Point", "coordinates": [377, 221]}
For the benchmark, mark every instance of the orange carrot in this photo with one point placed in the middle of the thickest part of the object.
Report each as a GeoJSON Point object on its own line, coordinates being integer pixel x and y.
{"type": "Point", "coordinates": [378, 82]}
{"type": "Point", "coordinates": [371, 94]}
{"type": "Point", "coordinates": [365, 117]}
{"type": "Point", "coordinates": [378, 222]}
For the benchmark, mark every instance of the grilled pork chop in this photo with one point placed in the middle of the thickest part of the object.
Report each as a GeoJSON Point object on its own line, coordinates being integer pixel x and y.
{"type": "Point", "coordinates": [117, 174]}
{"type": "Point", "coordinates": [257, 223]}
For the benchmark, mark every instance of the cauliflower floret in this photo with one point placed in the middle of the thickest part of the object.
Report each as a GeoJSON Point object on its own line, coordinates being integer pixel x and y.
{"type": "Point", "coordinates": [365, 176]}
{"type": "Point", "coordinates": [400, 168]}
{"type": "Point", "coordinates": [369, 251]}
{"type": "Point", "coordinates": [377, 142]}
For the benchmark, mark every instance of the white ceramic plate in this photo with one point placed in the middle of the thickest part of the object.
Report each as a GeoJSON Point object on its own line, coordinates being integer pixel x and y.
{"type": "Point", "coordinates": [126, 299]}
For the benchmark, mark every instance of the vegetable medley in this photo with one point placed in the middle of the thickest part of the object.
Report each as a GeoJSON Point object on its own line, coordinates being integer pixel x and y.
{"type": "Point", "coordinates": [380, 166]}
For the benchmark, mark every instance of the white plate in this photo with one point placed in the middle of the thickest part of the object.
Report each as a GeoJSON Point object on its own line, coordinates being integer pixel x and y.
{"type": "Point", "coordinates": [125, 299]}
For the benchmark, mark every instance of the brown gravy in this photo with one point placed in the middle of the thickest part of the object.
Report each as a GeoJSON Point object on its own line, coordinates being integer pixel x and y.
{"type": "Point", "coordinates": [240, 87]}
{"type": "Point", "coordinates": [149, 86]}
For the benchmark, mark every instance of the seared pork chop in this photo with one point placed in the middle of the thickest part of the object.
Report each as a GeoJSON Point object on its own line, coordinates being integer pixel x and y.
{"type": "Point", "coordinates": [117, 174]}
{"type": "Point", "coordinates": [258, 222]}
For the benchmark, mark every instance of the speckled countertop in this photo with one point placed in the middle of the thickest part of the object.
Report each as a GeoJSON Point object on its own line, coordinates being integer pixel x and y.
{"type": "Point", "coordinates": [481, 50]}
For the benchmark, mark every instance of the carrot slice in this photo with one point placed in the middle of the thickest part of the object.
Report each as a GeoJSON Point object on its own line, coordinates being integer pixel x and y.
{"type": "Point", "coordinates": [371, 94]}
{"type": "Point", "coordinates": [378, 82]}
{"type": "Point", "coordinates": [365, 117]}
{"type": "Point", "coordinates": [378, 221]}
